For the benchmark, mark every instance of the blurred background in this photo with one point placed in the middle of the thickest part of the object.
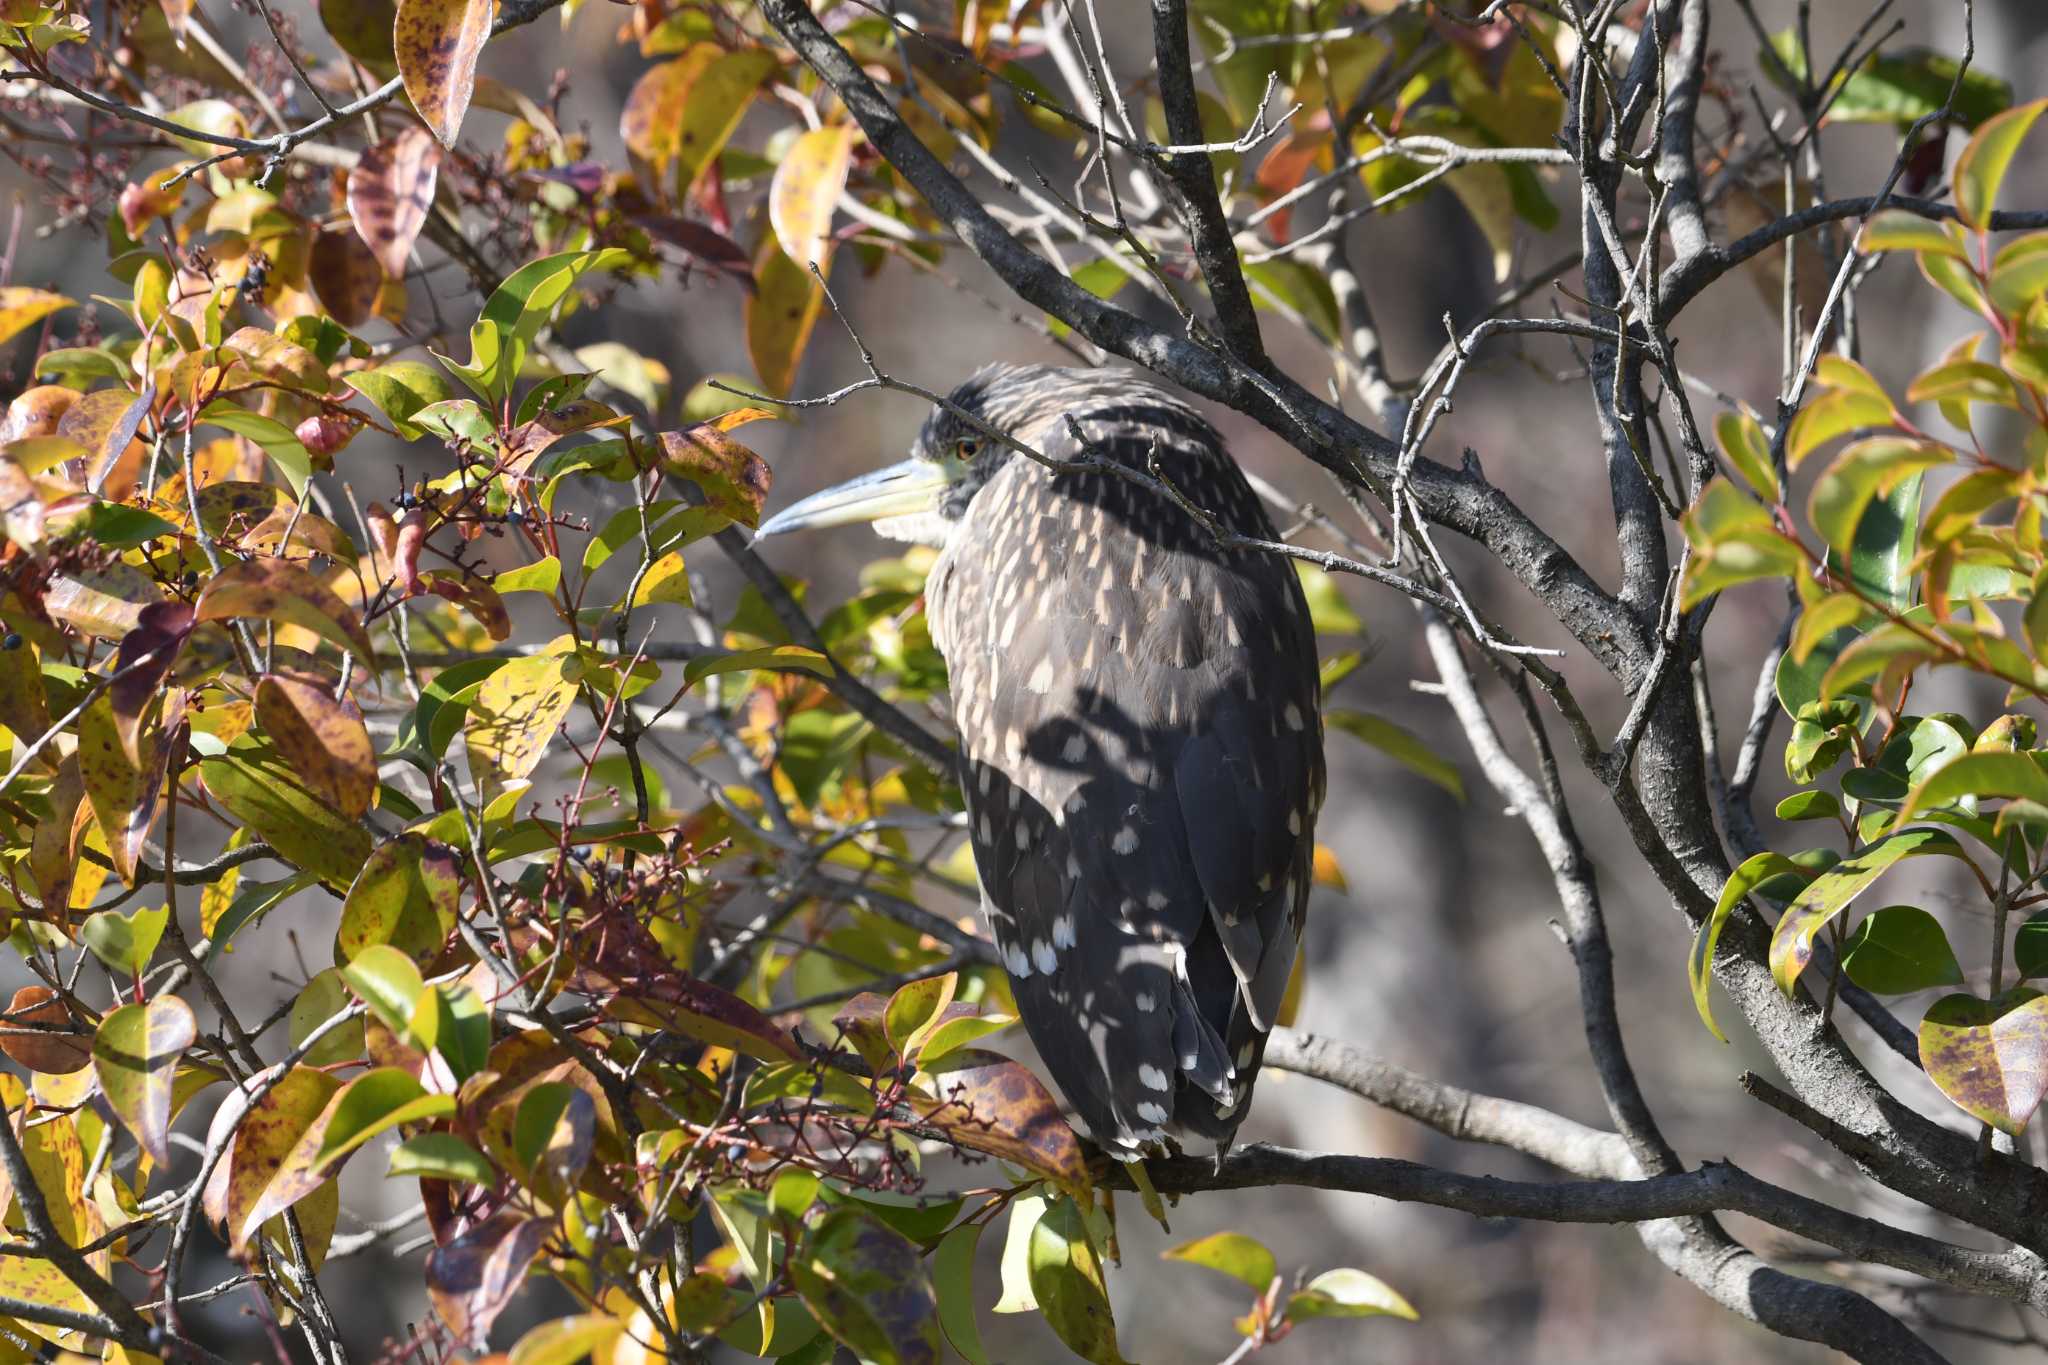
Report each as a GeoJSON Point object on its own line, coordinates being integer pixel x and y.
{"type": "Point", "coordinates": [1439, 956]}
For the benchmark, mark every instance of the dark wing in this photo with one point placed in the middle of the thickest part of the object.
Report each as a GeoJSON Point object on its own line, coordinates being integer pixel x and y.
{"type": "Point", "coordinates": [1138, 711]}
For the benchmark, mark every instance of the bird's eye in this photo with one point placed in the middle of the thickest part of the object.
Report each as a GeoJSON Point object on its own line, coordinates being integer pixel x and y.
{"type": "Point", "coordinates": [967, 447]}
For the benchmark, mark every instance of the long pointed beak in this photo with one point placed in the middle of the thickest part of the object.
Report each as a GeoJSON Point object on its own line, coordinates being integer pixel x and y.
{"type": "Point", "coordinates": [900, 490]}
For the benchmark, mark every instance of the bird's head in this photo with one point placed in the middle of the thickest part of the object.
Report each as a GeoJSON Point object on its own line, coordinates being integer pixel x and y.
{"type": "Point", "coordinates": [953, 458]}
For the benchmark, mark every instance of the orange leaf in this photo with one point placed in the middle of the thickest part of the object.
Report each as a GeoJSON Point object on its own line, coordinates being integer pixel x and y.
{"type": "Point", "coordinates": [650, 124]}
{"type": "Point", "coordinates": [323, 739]}
{"type": "Point", "coordinates": [734, 480]}
{"type": "Point", "coordinates": [437, 43]}
{"type": "Point", "coordinates": [389, 193]}
{"type": "Point", "coordinates": [994, 1105]}
{"type": "Point", "coordinates": [58, 1054]}
{"type": "Point", "coordinates": [805, 193]}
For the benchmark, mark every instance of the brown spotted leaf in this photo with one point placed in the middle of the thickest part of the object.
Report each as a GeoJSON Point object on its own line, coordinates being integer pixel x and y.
{"type": "Point", "coordinates": [989, 1103]}
{"type": "Point", "coordinates": [24, 707]}
{"type": "Point", "coordinates": [105, 603]}
{"type": "Point", "coordinates": [406, 895]}
{"type": "Point", "coordinates": [126, 795]}
{"type": "Point", "coordinates": [780, 316]}
{"type": "Point", "coordinates": [390, 191]}
{"type": "Point", "coordinates": [473, 595]}
{"type": "Point", "coordinates": [474, 1277]}
{"type": "Point", "coordinates": [136, 1054]}
{"type": "Point", "coordinates": [271, 1166]}
{"type": "Point", "coordinates": [866, 1284]}
{"type": "Point", "coordinates": [65, 1048]}
{"type": "Point", "coordinates": [104, 423]}
{"type": "Point", "coordinates": [805, 193]}
{"type": "Point", "coordinates": [278, 590]}
{"type": "Point", "coordinates": [436, 43]}
{"type": "Point", "coordinates": [734, 480]}
{"type": "Point", "coordinates": [345, 276]}
{"type": "Point", "coordinates": [1989, 1056]}
{"type": "Point", "coordinates": [322, 738]}
{"type": "Point", "coordinates": [53, 852]}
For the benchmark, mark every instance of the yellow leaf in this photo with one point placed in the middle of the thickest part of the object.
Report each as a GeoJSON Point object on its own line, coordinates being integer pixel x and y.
{"type": "Point", "coordinates": [21, 309]}
{"type": "Point", "coordinates": [514, 718]}
{"type": "Point", "coordinates": [437, 43]}
{"type": "Point", "coordinates": [805, 192]}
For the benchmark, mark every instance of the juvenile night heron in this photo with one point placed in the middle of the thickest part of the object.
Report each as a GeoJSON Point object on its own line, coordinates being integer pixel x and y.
{"type": "Point", "coordinates": [1142, 747]}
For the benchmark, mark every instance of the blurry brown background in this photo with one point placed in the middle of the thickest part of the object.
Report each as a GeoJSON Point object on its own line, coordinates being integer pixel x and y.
{"type": "Point", "coordinates": [1439, 957]}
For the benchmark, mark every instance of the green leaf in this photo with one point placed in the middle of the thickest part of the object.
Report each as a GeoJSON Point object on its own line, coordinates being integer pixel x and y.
{"type": "Point", "coordinates": [1980, 169]}
{"type": "Point", "coordinates": [517, 312]}
{"type": "Point", "coordinates": [1831, 893]}
{"type": "Point", "coordinates": [372, 1103]}
{"type": "Point", "coordinates": [1743, 441]}
{"type": "Point", "coordinates": [125, 943]}
{"type": "Point", "coordinates": [1887, 539]}
{"type": "Point", "coordinates": [135, 1054]}
{"type": "Point", "coordinates": [325, 996]}
{"type": "Point", "coordinates": [953, 1282]}
{"type": "Point", "coordinates": [915, 1004]}
{"type": "Point", "coordinates": [285, 450]}
{"type": "Point", "coordinates": [867, 1287]}
{"type": "Point", "coordinates": [1734, 541]}
{"type": "Point", "coordinates": [1066, 1279]}
{"type": "Point", "coordinates": [453, 1022]}
{"type": "Point", "coordinates": [1754, 872]}
{"type": "Point", "coordinates": [386, 980]}
{"type": "Point", "coordinates": [1859, 474]}
{"type": "Point", "coordinates": [406, 896]}
{"type": "Point", "coordinates": [1898, 949]}
{"type": "Point", "coordinates": [1328, 612]}
{"type": "Point", "coordinates": [1236, 1255]}
{"type": "Point", "coordinates": [1809, 805]}
{"type": "Point", "coordinates": [782, 658]}
{"type": "Point", "coordinates": [1347, 1294]}
{"type": "Point", "coordinates": [793, 1193]}
{"type": "Point", "coordinates": [1900, 230]}
{"type": "Point", "coordinates": [2019, 275]}
{"type": "Point", "coordinates": [256, 786]}
{"type": "Point", "coordinates": [1402, 745]}
{"type": "Point", "coordinates": [1979, 775]}
{"type": "Point", "coordinates": [400, 388]}
{"type": "Point", "coordinates": [440, 1156]}
{"type": "Point", "coordinates": [1834, 413]}
{"type": "Point", "coordinates": [2030, 946]}
{"type": "Point", "coordinates": [1017, 1296]}
{"type": "Point", "coordinates": [541, 576]}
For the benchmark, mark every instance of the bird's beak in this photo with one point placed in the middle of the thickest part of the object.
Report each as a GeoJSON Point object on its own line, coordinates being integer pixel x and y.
{"type": "Point", "coordinates": [904, 489]}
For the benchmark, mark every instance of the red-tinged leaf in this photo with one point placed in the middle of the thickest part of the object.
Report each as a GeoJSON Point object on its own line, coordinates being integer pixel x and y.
{"type": "Point", "coordinates": [474, 1277]}
{"type": "Point", "coordinates": [390, 191]}
{"type": "Point", "coordinates": [126, 797]}
{"type": "Point", "coordinates": [323, 739]}
{"type": "Point", "coordinates": [734, 480]}
{"type": "Point", "coordinates": [866, 1284]}
{"type": "Point", "coordinates": [136, 1054]}
{"type": "Point", "coordinates": [345, 276]}
{"type": "Point", "coordinates": [1284, 168]}
{"type": "Point", "coordinates": [140, 666]}
{"type": "Point", "coordinates": [695, 1008]}
{"type": "Point", "coordinates": [105, 603]}
{"type": "Point", "coordinates": [65, 1048]}
{"type": "Point", "coordinates": [805, 193]}
{"type": "Point", "coordinates": [269, 1173]}
{"type": "Point", "coordinates": [704, 244]}
{"type": "Point", "coordinates": [650, 123]}
{"type": "Point", "coordinates": [436, 44]}
{"type": "Point", "coordinates": [994, 1105]}
{"type": "Point", "coordinates": [407, 896]}
{"type": "Point", "coordinates": [780, 316]}
{"type": "Point", "coordinates": [278, 590]}
{"type": "Point", "coordinates": [1989, 1056]}
{"type": "Point", "coordinates": [473, 595]}
{"type": "Point", "coordinates": [105, 423]}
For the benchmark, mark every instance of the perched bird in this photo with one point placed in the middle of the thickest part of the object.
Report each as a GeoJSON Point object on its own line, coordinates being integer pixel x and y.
{"type": "Point", "coordinates": [1142, 753]}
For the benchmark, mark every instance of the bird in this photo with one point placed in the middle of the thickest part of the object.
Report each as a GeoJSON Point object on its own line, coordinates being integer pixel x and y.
{"type": "Point", "coordinates": [1141, 750]}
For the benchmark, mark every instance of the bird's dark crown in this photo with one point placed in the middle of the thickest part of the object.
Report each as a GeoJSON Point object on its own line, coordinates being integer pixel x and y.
{"type": "Point", "coordinates": [1030, 403]}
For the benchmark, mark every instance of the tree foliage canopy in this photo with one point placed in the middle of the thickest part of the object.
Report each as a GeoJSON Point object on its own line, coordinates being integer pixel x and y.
{"type": "Point", "coordinates": [627, 956]}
